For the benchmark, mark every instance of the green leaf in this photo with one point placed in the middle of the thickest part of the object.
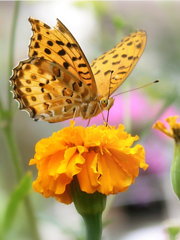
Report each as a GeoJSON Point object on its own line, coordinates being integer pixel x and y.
{"type": "Point", "coordinates": [16, 197]}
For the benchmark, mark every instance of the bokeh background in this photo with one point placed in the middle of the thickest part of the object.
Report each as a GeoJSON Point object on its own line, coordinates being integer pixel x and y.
{"type": "Point", "coordinates": [98, 26]}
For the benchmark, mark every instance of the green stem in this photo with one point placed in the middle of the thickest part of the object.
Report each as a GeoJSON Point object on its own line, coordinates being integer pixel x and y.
{"type": "Point", "coordinates": [11, 50]}
{"type": "Point", "coordinates": [13, 150]}
{"type": "Point", "coordinates": [93, 226]}
{"type": "Point", "coordinates": [175, 170]}
{"type": "Point", "coordinates": [14, 153]}
{"type": "Point", "coordinates": [31, 219]}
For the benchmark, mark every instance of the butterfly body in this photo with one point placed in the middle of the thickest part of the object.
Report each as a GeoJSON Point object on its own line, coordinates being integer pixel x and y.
{"type": "Point", "coordinates": [57, 83]}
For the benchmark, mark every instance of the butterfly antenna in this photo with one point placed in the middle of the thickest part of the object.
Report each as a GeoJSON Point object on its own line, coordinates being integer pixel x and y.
{"type": "Point", "coordinates": [137, 88]}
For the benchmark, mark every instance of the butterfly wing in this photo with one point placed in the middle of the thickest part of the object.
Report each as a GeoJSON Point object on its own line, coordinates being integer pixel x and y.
{"type": "Point", "coordinates": [58, 45]}
{"type": "Point", "coordinates": [121, 60]}
{"type": "Point", "coordinates": [47, 91]}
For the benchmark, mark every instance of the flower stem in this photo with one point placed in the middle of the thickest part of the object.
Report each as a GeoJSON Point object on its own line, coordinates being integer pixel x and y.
{"type": "Point", "coordinates": [14, 153]}
{"type": "Point", "coordinates": [31, 219]}
{"type": "Point", "coordinates": [13, 150]}
{"type": "Point", "coordinates": [93, 226]}
{"type": "Point", "coordinates": [175, 170]}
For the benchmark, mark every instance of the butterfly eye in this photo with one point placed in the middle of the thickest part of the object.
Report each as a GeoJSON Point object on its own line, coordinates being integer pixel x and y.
{"type": "Point", "coordinates": [104, 102]}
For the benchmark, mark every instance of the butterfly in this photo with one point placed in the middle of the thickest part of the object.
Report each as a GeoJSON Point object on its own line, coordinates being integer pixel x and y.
{"type": "Point", "coordinates": [57, 83]}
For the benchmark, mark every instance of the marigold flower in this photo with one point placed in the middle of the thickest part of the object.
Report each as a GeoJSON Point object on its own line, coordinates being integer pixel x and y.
{"type": "Point", "coordinates": [101, 157]}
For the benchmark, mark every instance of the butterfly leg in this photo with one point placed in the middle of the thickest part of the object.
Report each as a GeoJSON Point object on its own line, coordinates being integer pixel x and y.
{"type": "Point", "coordinates": [103, 115]}
{"type": "Point", "coordinates": [106, 123]}
{"type": "Point", "coordinates": [75, 111]}
{"type": "Point", "coordinates": [88, 122]}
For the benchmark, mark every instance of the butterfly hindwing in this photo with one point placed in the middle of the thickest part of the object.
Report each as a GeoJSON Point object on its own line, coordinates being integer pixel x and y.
{"type": "Point", "coordinates": [46, 90]}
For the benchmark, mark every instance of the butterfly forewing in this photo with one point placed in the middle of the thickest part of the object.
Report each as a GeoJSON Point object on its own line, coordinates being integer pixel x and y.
{"type": "Point", "coordinates": [121, 60]}
{"type": "Point", "coordinates": [58, 45]}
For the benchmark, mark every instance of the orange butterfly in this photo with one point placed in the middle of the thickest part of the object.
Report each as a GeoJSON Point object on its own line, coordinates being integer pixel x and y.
{"type": "Point", "coordinates": [57, 83]}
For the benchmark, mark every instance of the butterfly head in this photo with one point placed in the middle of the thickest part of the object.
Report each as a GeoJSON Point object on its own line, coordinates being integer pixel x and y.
{"type": "Point", "coordinates": [106, 103]}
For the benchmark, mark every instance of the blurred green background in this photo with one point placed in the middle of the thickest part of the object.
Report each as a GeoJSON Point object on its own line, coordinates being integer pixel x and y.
{"type": "Point", "coordinates": [98, 26]}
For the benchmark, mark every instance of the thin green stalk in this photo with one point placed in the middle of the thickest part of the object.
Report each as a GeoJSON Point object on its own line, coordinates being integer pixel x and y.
{"type": "Point", "coordinates": [1, 110]}
{"type": "Point", "coordinates": [31, 219]}
{"type": "Point", "coordinates": [14, 153]}
{"type": "Point", "coordinates": [175, 170]}
{"type": "Point", "coordinates": [13, 150]}
{"type": "Point", "coordinates": [11, 50]}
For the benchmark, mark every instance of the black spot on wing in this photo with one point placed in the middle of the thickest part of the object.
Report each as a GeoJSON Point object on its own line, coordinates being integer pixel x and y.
{"type": "Point", "coordinates": [68, 101]}
{"type": "Point", "coordinates": [49, 95]}
{"type": "Point", "coordinates": [50, 43]}
{"type": "Point", "coordinates": [127, 40]}
{"type": "Point", "coordinates": [35, 53]}
{"type": "Point", "coordinates": [130, 43]}
{"type": "Point", "coordinates": [115, 56]}
{"type": "Point", "coordinates": [39, 37]}
{"type": "Point", "coordinates": [130, 57]}
{"type": "Point", "coordinates": [47, 51]}
{"type": "Point", "coordinates": [33, 98]}
{"type": "Point", "coordinates": [93, 64]}
{"type": "Point", "coordinates": [112, 51]}
{"type": "Point", "coordinates": [36, 45]}
{"type": "Point", "coordinates": [66, 65]}
{"type": "Point", "coordinates": [28, 89]}
{"type": "Point", "coordinates": [115, 63]}
{"type": "Point", "coordinates": [61, 52]}
{"type": "Point", "coordinates": [101, 57]}
{"type": "Point", "coordinates": [60, 43]}
{"type": "Point", "coordinates": [97, 72]}
{"type": "Point", "coordinates": [82, 65]}
{"type": "Point", "coordinates": [107, 72]}
{"type": "Point", "coordinates": [124, 55]}
{"type": "Point", "coordinates": [105, 62]}
{"type": "Point", "coordinates": [121, 72]}
{"type": "Point", "coordinates": [138, 45]}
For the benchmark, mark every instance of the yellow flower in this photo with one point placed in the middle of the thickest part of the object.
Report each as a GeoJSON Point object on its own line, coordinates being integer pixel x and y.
{"type": "Point", "coordinates": [100, 157]}
{"type": "Point", "coordinates": [173, 132]}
